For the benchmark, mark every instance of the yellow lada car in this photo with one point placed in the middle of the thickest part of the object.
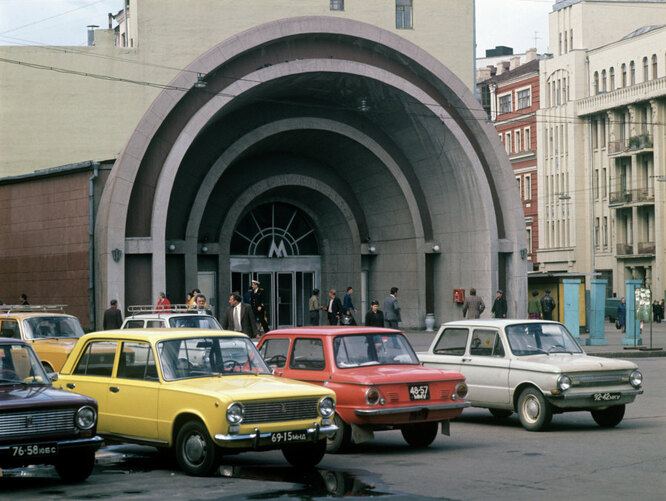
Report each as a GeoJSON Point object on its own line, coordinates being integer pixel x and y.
{"type": "Point", "coordinates": [199, 392]}
{"type": "Point", "coordinates": [50, 331]}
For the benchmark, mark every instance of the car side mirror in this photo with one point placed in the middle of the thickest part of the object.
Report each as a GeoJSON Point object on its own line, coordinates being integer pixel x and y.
{"type": "Point", "coordinates": [53, 376]}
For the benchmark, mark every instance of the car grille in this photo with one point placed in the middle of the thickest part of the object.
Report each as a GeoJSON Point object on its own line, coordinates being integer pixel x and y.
{"type": "Point", "coordinates": [30, 423]}
{"type": "Point", "coordinates": [290, 410]}
{"type": "Point", "coordinates": [599, 380]}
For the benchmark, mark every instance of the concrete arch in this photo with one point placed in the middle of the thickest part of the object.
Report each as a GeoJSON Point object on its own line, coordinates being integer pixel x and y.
{"type": "Point", "coordinates": [174, 118]}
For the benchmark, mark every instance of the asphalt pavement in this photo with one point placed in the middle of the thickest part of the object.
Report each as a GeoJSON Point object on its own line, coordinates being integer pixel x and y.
{"type": "Point", "coordinates": [652, 345]}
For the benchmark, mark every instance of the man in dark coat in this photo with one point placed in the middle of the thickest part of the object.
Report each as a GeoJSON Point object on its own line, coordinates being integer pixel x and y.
{"type": "Point", "coordinates": [374, 317]}
{"type": "Point", "coordinates": [258, 303]}
{"type": "Point", "coordinates": [239, 317]}
{"type": "Point", "coordinates": [499, 305]}
{"type": "Point", "coordinates": [113, 318]}
{"type": "Point", "coordinates": [547, 306]}
{"type": "Point", "coordinates": [333, 308]}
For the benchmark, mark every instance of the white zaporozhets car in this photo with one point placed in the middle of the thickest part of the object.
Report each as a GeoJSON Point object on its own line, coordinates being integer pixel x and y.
{"type": "Point", "coordinates": [535, 368]}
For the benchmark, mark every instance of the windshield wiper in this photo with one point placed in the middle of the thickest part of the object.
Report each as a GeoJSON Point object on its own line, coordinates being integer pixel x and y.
{"type": "Point", "coordinates": [540, 350]}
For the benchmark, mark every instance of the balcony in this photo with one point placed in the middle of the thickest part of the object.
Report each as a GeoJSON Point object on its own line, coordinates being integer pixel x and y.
{"type": "Point", "coordinates": [637, 196]}
{"type": "Point", "coordinates": [629, 146]}
{"type": "Point", "coordinates": [646, 247]}
{"type": "Point", "coordinates": [624, 249]}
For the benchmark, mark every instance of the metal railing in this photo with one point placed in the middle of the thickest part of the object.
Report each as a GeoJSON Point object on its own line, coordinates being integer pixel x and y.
{"type": "Point", "coordinates": [634, 143]}
{"type": "Point", "coordinates": [629, 196]}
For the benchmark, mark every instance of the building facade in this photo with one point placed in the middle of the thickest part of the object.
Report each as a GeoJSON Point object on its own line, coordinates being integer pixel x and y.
{"type": "Point", "coordinates": [602, 134]}
{"type": "Point", "coordinates": [339, 146]}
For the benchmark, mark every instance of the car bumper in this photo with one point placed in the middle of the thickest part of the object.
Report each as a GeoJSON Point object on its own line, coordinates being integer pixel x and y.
{"type": "Point", "coordinates": [258, 439]}
{"type": "Point", "coordinates": [388, 411]}
{"type": "Point", "coordinates": [7, 458]}
{"type": "Point", "coordinates": [594, 399]}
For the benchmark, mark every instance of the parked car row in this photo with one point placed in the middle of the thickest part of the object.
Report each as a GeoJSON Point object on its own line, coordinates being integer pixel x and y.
{"type": "Point", "coordinates": [305, 391]}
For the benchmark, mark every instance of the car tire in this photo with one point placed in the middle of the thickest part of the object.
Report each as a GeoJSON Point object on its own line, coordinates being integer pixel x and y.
{"type": "Point", "coordinates": [196, 452]}
{"type": "Point", "coordinates": [534, 411]}
{"type": "Point", "coordinates": [610, 417]}
{"type": "Point", "coordinates": [340, 441]}
{"type": "Point", "coordinates": [421, 434]}
{"type": "Point", "coordinates": [306, 455]}
{"type": "Point", "coordinates": [74, 468]}
{"type": "Point", "coordinates": [500, 413]}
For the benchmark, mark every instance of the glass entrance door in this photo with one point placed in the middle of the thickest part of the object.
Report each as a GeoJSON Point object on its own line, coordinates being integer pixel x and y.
{"type": "Point", "coordinates": [285, 299]}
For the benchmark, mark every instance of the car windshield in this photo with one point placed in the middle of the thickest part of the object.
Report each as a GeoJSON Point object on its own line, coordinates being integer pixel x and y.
{"type": "Point", "coordinates": [359, 350]}
{"type": "Point", "coordinates": [534, 338]}
{"type": "Point", "coordinates": [195, 322]}
{"type": "Point", "coordinates": [18, 363]}
{"type": "Point", "coordinates": [209, 356]}
{"type": "Point", "coordinates": [47, 327]}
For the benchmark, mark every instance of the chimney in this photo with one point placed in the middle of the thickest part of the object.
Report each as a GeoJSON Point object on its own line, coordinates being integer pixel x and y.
{"type": "Point", "coordinates": [91, 34]}
{"type": "Point", "coordinates": [483, 74]}
{"type": "Point", "coordinates": [514, 62]}
{"type": "Point", "coordinates": [530, 55]}
{"type": "Point", "coordinates": [502, 67]}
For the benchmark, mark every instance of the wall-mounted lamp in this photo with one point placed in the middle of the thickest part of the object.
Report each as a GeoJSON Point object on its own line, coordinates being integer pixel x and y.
{"type": "Point", "coordinates": [200, 83]}
{"type": "Point", "coordinates": [363, 105]}
{"type": "Point", "coordinates": [372, 249]}
{"type": "Point", "coordinates": [116, 254]}
{"type": "Point", "coordinates": [204, 248]}
{"type": "Point", "coordinates": [436, 248]}
{"type": "Point", "coordinates": [172, 247]}
{"type": "Point", "coordinates": [564, 196]}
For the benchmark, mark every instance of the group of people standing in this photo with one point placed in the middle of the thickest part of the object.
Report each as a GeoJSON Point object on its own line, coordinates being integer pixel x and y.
{"type": "Point", "coordinates": [342, 312]}
{"type": "Point", "coordinates": [474, 305]}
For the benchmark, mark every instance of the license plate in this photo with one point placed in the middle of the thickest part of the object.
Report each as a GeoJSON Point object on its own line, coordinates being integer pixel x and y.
{"type": "Point", "coordinates": [419, 392]}
{"type": "Point", "coordinates": [286, 437]}
{"type": "Point", "coordinates": [606, 397]}
{"type": "Point", "coordinates": [33, 450]}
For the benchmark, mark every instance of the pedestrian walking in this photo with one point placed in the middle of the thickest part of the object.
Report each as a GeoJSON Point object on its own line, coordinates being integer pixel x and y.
{"type": "Point", "coordinates": [333, 308]}
{"type": "Point", "coordinates": [163, 304]}
{"type": "Point", "coordinates": [239, 317]}
{"type": "Point", "coordinates": [392, 309]}
{"type": "Point", "coordinates": [534, 306]}
{"type": "Point", "coordinates": [474, 305]}
{"type": "Point", "coordinates": [348, 306]}
{"type": "Point", "coordinates": [258, 303]}
{"type": "Point", "coordinates": [499, 308]}
{"type": "Point", "coordinates": [314, 306]}
{"type": "Point", "coordinates": [374, 317]}
{"type": "Point", "coordinates": [547, 306]}
{"type": "Point", "coordinates": [622, 315]}
{"type": "Point", "coordinates": [113, 318]}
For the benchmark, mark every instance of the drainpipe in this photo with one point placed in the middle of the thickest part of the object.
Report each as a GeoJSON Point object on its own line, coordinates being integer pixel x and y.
{"type": "Point", "coordinates": [91, 236]}
{"type": "Point", "coordinates": [476, 91]}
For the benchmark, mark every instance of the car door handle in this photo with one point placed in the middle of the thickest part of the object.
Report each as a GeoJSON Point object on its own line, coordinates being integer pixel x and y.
{"type": "Point", "coordinates": [466, 359]}
{"type": "Point", "coordinates": [71, 386]}
{"type": "Point", "coordinates": [114, 389]}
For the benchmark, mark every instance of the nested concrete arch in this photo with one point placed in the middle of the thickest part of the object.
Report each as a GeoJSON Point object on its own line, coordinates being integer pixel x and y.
{"type": "Point", "coordinates": [307, 47]}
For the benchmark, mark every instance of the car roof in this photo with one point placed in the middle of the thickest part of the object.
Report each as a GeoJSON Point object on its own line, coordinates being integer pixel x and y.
{"type": "Point", "coordinates": [144, 316]}
{"type": "Point", "coordinates": [332, 330]}
{"type": "Point", "coordinates": [21, 315]}
{"type": "Point", "coordinates": [158, 334]}
{"type": "Point", "coordinates": [11, 340]}
{"type": "Point", "coordinates": [495, 322]}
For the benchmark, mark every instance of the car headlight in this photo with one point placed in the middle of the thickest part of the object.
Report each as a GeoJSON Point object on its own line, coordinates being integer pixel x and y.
{"type": "Point", "coordinates": [86, 417]}
{"type": "Point", "coordinates": [235, 413]}
{"type": "Point", "coordinates": [460, 391]}
{"type": "Point", "coordinates": [326, 407]}
{"type": "Point", "coordinates": [563, 382]}
{"type": "Point", "coordinates": [636, 379]}
{"type": "Point", "coordinates": [372, 396]}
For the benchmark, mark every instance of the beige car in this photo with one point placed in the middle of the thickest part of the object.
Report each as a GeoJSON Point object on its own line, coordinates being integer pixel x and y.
{"type": "Point", "coordinates": [50, 331]}
{"type": "Point", "coordinates": [535, 368]}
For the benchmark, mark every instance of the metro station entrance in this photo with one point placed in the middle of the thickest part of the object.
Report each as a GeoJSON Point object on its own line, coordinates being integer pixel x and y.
{"type": "Point", "coordinates": [275, 244]}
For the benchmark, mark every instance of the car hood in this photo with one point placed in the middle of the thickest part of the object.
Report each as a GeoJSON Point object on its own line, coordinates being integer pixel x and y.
{"type": "Point", "coordinates": [564, 362]}
{"type": "Point", "coordinates": [62, 343]}
{"type": "Point", "coordinates": [388, 374]}
{"type": "Point", "coordinates": [23, 396]}
{"type": "Point", "coordinates": [248, 387]}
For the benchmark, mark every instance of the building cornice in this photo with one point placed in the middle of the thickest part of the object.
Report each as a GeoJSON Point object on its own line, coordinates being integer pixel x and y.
{"type": "Point", "coordinates": [621, 97]}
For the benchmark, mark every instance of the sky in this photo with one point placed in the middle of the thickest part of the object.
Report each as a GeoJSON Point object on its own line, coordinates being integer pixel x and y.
{"type": "Point", "coordinates": [513, 23]}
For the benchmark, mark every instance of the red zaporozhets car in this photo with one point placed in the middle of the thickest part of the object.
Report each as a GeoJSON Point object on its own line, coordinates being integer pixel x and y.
{"type": "Point", "coordinates": [378, 379]}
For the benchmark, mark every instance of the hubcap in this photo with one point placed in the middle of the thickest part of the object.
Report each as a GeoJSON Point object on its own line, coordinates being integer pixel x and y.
{"type": "Point", "coordinates": [195, 449]}
{"type": "Point", "coordinates": [532, 408]}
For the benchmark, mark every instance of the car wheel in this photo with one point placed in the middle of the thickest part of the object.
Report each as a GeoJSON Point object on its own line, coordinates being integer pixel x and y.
{"type": "Point", "coordinates": [500, 413]}
{"type": "Point", "coordinates": [534, 411]}
{"type": "Point", "coordinates": [77, 467]}
{"type": "Point", "coordinates": [421, 434]}
{"type": "Point", "coordinates": [608, 418]}
{"type": "Point", "coordinates": [340, 441]}
{"type": "Point", "coordinates": [195, 450]}
{"type": "Point", "coordinates": [305, 456]}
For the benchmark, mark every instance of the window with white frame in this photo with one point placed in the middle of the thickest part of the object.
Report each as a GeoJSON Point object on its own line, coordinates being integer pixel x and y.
{"type": "Point", "coordinates": [527, 140]}
{"type": "Point", "coordinates": [505, 103]}
{"type": "Point", "coordinates": [604, 231]}
{"type": "Point", "coordinates": [655, 72]}
{"type": "Point", "coordinates": [507, 142]}
{"type": "Point", "coordinates": [403, 14]}
{"type": "Point", "coordinates": [337, 4]}
{"type": "Point", "coordinates": [529, 239]}
{"type": "Point", "coordinates": [520, 188]}
{"type": "Point", "coordinates": [527, 187]}
{"type": "Point", "coordinates": [523, 96]}
{"type": "Point", "coordinates": [519, 146]}
{"type": "Point", "coordinates": [596, 232]}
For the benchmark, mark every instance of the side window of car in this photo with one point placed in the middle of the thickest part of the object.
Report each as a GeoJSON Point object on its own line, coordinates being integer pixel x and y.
{"type": "Point", "coordinates": [155, 323]}
{"type": "Point", "coordinates": [308, 354]}
{"type": "Point", "coordinates": [274, 352]}
{"type": "Point", "coordinates": [486, 343]}
{"type": "Point", "coordinates": [452, 341]}
{"type": "Point", "coordinates": [97, 359]}
{"type": "Point", "coordinates": [133, 324]}
{"type": "Point", "coordinates": [137, 362]}
{"type": "Point", "coordinates": [10, 328]}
